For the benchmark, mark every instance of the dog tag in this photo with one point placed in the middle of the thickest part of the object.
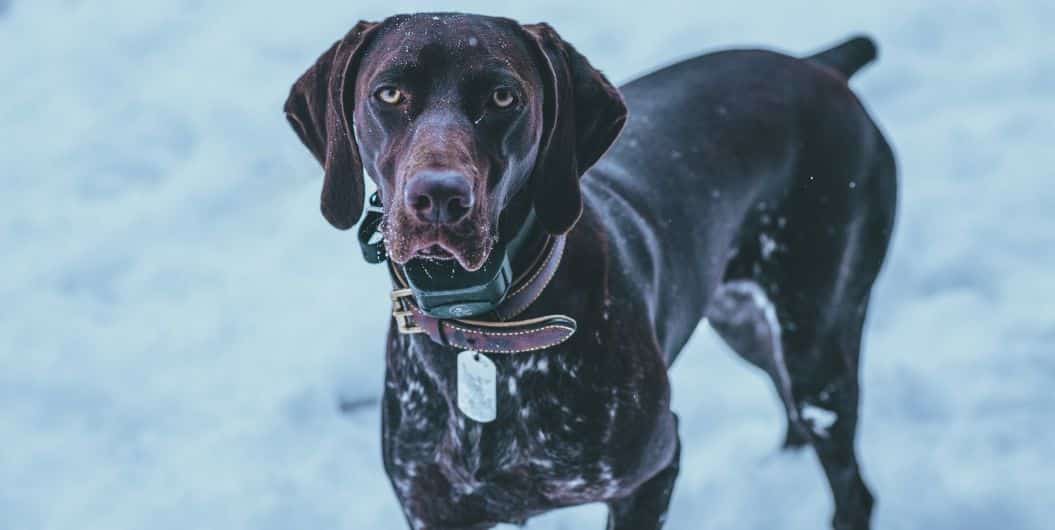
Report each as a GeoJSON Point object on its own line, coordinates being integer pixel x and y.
{"type": "Point", "coordinates": [477, 386]}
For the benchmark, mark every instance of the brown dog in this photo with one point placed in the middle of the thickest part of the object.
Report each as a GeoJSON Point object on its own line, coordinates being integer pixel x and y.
{"type": "Point", "coordinates": [747, 186]}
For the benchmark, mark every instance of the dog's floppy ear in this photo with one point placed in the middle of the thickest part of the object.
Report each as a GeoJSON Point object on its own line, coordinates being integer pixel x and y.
{"type": "Point", "coordinates": [319, 108]}
{"type": "Point", "coordinates": [583, 114]}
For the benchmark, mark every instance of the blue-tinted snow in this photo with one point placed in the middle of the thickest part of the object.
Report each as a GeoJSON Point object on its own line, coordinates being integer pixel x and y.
{"type": "Point", "coordinates": [178, 322]}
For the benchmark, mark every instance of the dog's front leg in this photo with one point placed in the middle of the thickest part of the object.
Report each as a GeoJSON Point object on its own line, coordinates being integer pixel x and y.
{"type": "Point", "coordinates": [646, 507]}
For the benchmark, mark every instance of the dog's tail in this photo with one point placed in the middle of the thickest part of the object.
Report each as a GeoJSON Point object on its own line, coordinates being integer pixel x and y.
{"type": "Point", "coordinates": [848, 57]}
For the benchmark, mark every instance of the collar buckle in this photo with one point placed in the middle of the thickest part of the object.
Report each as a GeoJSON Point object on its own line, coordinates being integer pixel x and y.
{"type": "Point", "coordinates": [403, 314]}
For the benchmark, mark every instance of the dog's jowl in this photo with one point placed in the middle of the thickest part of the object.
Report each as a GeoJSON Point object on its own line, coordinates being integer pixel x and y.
{"type": "Point", "coordinates": [553, 241]}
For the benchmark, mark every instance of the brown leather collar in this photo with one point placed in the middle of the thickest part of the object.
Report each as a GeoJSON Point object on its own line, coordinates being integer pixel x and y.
{"type": "Point", "coordinates": [493, 336]}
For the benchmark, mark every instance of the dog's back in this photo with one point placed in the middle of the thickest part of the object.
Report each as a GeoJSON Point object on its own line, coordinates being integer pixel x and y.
{"type": "Point", "coordinates": [707, 147]}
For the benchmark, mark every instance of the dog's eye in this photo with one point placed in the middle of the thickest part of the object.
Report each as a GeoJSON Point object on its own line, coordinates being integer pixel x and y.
{"type": "Point", "coordinates": [390, 95]}
{"type": "Point", "coordinates": [503, 98]}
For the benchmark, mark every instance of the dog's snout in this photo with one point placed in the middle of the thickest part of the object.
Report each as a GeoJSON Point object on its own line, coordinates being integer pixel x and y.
{"type": "Point", "coordinates": [439, 197]}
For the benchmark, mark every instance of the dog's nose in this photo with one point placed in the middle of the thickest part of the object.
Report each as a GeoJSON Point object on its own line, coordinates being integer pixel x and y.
{"type": "Point", "coordinates": [439, 197]}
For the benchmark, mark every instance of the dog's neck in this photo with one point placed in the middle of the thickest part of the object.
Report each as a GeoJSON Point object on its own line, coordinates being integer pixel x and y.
{"type": "Point", "coordinates": [466, 319]}
{"type": "Point", "coordinates": [562, 295]}
{"type": "Point", "coordinates": [422, 378]}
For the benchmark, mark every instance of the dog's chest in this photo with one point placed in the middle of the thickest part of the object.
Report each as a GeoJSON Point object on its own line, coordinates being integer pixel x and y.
{"type": "Point", "coordinates": [553, 443]}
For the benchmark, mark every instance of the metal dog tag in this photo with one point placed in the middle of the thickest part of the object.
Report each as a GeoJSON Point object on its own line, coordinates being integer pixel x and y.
{"type": "Point", "coordinates": [477, 386]}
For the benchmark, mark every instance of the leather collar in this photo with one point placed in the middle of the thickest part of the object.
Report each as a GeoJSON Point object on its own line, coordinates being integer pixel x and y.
{"type": "Point", "coordinates": [499, 335]}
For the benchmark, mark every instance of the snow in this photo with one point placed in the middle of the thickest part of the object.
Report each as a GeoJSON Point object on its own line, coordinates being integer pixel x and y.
{"type": "Point", "coordinates": [820, 420]}
{"type": "Point", "coordinates": [179, 323]}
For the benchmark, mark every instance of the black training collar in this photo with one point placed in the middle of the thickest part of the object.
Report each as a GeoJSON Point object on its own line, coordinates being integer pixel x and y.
{"type": "Point", "coordinates": [443, 289]}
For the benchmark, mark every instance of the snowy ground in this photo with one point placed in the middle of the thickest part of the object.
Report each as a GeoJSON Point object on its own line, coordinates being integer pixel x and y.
{"type": "Point", "coordinates": [178, 322]}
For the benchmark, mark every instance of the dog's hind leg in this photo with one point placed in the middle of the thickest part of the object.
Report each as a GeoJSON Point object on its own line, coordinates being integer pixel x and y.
{"type": "Point", "coordinates": [828, 403]}
{"type": "Point", "coordinates": [745, 318]}
{"type": "Point", "coordinates": [825, 272]}
{"type": "Point", "coordinates": [817, 384]}
{"type": "Point", "coordinates": [794, 304]}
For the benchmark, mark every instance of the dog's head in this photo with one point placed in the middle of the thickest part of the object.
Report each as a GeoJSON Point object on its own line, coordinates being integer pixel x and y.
{"type": "Point", "coordinates": [453, 116]}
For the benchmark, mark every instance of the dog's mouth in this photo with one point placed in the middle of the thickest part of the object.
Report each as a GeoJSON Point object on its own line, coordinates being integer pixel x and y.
{"type": "Point", "coordinates": [407, 241]}
{"type": "Point", "coordinates": [435, 252]}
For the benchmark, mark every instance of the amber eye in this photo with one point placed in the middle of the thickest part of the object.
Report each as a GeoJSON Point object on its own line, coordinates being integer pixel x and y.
{"type": "Point", "coordinates": [503, 98]}
{"type": "Point", "coordinates": [390, 95]}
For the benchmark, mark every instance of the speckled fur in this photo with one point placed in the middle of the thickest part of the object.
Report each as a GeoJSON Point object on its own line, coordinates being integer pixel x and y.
{"type": "Point", "coordinates": [575, 423]}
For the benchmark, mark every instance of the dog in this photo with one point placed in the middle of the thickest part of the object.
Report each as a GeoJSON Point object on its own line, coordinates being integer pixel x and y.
{"type": "Point", "coordinates": [747, 188]}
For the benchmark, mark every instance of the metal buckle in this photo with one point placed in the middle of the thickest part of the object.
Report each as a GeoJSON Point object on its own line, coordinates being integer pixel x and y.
{"type": "Point", "coordinates": [402, 313]}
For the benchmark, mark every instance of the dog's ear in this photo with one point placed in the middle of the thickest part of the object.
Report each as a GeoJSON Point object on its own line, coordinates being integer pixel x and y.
{"type": "Point", "coordinates": [319, 108]}
{"type": "Point", "coordinates": [583, 114]}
